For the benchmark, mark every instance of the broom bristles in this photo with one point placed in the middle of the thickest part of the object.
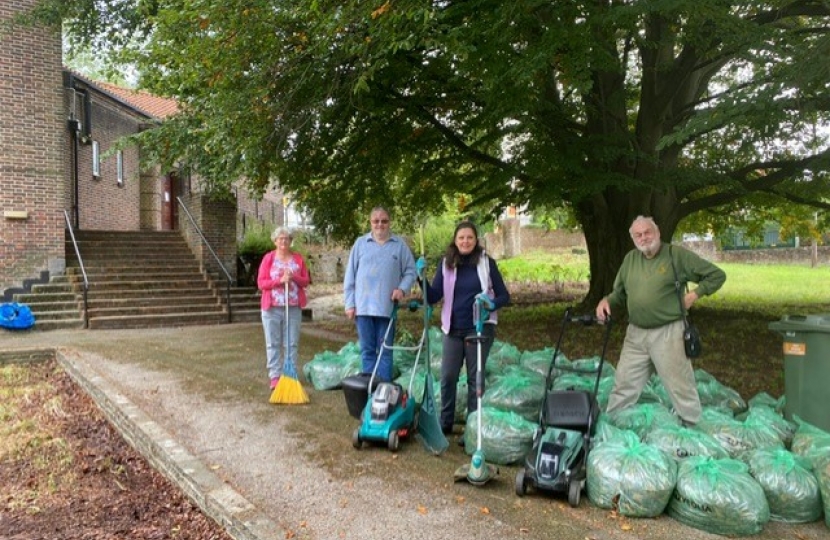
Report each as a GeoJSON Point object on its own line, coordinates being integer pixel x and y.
{"type": "Point", "coordinates": [288, 391]}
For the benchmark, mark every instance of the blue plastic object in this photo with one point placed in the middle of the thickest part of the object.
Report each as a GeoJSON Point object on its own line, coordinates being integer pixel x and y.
{"type": "Point", "coordinates": [16, 316]}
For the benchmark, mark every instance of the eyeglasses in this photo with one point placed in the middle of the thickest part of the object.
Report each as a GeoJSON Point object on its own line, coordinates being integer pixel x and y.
{"type": "Point", "coordinates": [283, 239]}
{"type": "Point", "coordinates": [380, 221]}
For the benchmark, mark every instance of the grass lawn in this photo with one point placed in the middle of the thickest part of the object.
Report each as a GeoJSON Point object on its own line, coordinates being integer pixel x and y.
{"type": "Point", "coordinates": [740, 349]}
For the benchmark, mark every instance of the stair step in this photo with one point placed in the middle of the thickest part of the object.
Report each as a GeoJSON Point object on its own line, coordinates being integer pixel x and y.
{"type": "Point", "coordinates": [41, 307]}
{"type": "Point", "coordinates": [172, 284]}
{"type": "Point", "coordinates": [112, 257]}
{"type": "Point", "coordinates": [157, 321]}
{"type": "Point", "coordinates": [31, 299]}
{"type": "Point", "coordinates": [62, 324]}
{"type": "Point", "coordinates": [158, 272]}
{"type": "Point", "coordinates": [137, 279]}
{"type": "Point", "coordinates": [158, 309]}
{"type": "Point", "coordinates": [51, 288]}
{"type": "Point", "coordinates": [246, 315]}
{"type": "Point", "coordinates": [58, 315]}
{"type": "Point", "coordinates": [110, 302]}
{"type": "Point", "coordinates": [202, 292]}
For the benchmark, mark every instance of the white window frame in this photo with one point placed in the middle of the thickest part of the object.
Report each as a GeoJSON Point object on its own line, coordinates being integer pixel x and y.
{"type": "Point", "coordinates": [119, 167]}
{"type": "Point", "coordinates": [96, 159]}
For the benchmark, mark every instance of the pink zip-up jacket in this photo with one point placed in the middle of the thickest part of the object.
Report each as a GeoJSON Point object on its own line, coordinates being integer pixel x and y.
{"type": "Point", "coordinates": [300, 279]}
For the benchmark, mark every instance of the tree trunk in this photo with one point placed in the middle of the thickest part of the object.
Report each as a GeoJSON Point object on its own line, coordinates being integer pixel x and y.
{"type": "Point", "coordinates": [607, 240]}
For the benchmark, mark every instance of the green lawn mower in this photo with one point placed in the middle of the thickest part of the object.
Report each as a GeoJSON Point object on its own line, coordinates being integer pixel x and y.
{"type": "Point", "coordinates": [567, 420]}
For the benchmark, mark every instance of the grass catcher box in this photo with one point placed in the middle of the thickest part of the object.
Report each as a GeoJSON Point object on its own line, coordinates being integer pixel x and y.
{"type": "Point", "coordinates": [356, 392]}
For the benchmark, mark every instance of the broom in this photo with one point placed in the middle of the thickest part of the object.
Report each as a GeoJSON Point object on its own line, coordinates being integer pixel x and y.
{"type": "Point", "coordinates": [288, 391]}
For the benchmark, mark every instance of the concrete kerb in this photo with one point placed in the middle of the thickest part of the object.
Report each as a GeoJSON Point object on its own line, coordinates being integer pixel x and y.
{"type": "Point", "coordinates": [222, 503]}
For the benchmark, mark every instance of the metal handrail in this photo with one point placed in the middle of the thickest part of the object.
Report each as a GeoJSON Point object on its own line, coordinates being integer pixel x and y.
{"type": "Point", "coordinates": [81, 264]}
{"type": "Point", "coordinates": [215, 256]}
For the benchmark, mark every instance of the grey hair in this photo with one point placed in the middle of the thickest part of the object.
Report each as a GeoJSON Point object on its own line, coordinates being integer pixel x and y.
{"type": "Point", "coordinates": [644, 219]}
{"type": "Point", "coordinates": [280, 231]}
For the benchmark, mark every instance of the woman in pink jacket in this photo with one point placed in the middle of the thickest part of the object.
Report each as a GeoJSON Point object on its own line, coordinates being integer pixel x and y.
{"type": "Point", "coordinates": [282, 278]}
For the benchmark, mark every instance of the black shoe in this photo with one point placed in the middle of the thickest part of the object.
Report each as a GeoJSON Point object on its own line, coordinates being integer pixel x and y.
{"type": "Point", "coordinates": [446, 430]}
{"type": "Point", "coordinates": [461, 441]}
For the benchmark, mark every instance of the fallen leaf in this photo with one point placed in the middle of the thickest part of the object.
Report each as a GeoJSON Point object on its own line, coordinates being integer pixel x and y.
{"type": "Point", "coordinates": [459, 499]}
{"type": "Point", "coordinates": [303, 524]}
{"type": "Point", "coordinates": [524, 530]}
{"type": "Point", "coordinates": [485, 510]}
{"type": "Point", "coordinates": [626, 526]}
{"type": "Point", "coordinates": [290, 534]}
{"type": "Point", "coordinates": [381, 10]}
{"type": "Point", "coordinates": [215, 467]}
{"type": "Point", "coordinates": [422, 510]}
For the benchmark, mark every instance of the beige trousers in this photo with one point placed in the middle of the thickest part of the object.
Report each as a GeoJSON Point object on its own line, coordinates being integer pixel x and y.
{"type": "Point", "coordinates": [649, 350]}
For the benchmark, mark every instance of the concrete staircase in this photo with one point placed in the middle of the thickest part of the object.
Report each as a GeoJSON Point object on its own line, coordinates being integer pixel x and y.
{"type": "Point", "coordinates": [137, 279]}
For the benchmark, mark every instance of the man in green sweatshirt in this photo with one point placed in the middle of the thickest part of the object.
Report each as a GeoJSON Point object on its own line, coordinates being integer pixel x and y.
{"type": "Point", "coordinates": [645, 285]}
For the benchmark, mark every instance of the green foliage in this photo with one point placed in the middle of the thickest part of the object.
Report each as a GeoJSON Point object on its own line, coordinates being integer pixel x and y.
{"type": "Point", "coordinates": [256, 242]}
{"type": "Point", "coordinates": [554, 218]}
{"type": "Point", "coordinates": [613, 109]}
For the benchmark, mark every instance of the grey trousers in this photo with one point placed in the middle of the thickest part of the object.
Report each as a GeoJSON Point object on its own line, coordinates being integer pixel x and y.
{"type": "Point", "coordinates": [457, 353]}
{"type": "Point", "coordinates": [649, 350]}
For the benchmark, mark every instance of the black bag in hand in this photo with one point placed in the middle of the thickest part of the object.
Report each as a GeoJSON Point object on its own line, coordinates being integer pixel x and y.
{"type": "Point", "coordinates": [691, 340]}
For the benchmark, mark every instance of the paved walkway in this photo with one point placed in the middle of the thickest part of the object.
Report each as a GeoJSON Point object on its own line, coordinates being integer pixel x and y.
{"type": "Point", "coordinates": [193, 401]}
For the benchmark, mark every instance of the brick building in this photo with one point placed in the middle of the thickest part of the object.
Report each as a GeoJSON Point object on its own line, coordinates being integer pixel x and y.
{"type": "Point", "coordinates": [59, 162]}
{"type": "Point", "coordinates": [33, 157]}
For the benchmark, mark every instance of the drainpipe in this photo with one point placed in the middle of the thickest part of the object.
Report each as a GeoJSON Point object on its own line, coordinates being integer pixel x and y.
{"type": "Point", "coordinates": [77, 130]}
{"type": "Point", "coordinates": [74, 128]}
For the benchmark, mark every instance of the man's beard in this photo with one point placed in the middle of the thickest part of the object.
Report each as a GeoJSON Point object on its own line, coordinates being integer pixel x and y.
{"type": "Point", "coordinates": [651, 249]}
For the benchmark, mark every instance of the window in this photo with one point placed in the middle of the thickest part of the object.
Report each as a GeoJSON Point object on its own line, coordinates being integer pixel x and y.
{"type": "Point", "coordinates": [119, 165]}
{"type": "Point", "coordinates": [96, 159]}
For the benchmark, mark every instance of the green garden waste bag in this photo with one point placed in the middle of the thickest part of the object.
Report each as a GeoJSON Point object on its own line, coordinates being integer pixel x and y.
{"type": "Point", "coordinates": [643, 417]}
{"type": "Point", "coordinates": [516, 389]}
{"type": "Point", "coordinates": [418, 382]}
{"type": "Point", "coordinates": [822, 471]}
{"type": "Point", "coordinates": [539, 361]}
{"type": "Point", "coordinates": [502, 354]}
{"type": "Point", "coordinates": [680, 443]}
{"type": "Point", "coordinates": [632, 477]}
{"type": "Point", "coordinates": [765, 415]}
{"type": "Point", "coordinates": [739, 438]}
{"type": "Point", "coordinates": [655, 392]}
{"type": "Point", "coordinates": [506, 437]}
{"type": "Point", "coordinates": [813, 443]}
{"type": "Point", "coordinates": [810, 441]}
{"type": "Point", "coordinates": [719, 496]}
{"type": "Point", "coordinates": [763, 398]}
{"type": "Point", "coordinates": [715, 394]}
{"type": "Point", "coordinates": [591, 363]}
{"type": "Point", "coordinates": [325, 370]}
{"type": "Point", "coordinates": [791, 488]}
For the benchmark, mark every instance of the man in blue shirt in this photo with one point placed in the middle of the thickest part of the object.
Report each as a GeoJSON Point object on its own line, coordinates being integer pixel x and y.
{"type": "Point", "coordinates": [380, 271]}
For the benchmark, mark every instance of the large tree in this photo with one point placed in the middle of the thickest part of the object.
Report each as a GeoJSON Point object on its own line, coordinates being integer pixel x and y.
{"type": "Point", "coordinates": [614, 108]}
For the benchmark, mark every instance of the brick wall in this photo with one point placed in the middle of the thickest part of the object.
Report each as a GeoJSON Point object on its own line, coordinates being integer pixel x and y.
{"type": "Point", "coordinates": [796, 255]}
{"type": "Point", "coordinates": [217, 221]}
{"type": "Point", "coordinates": [103, 203]}
{"type": "Point", "coordinates": [32, 154]}
{"type": "Point", "coordinates": [511, 240]}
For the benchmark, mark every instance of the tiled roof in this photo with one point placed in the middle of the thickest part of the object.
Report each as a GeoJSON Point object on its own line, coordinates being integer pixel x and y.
{"type": "Point", "coordinates": [155, 106]}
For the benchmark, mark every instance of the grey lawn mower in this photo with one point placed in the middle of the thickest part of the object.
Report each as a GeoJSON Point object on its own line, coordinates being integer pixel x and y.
{"type": "Point", "coordinates": [567, 421]}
